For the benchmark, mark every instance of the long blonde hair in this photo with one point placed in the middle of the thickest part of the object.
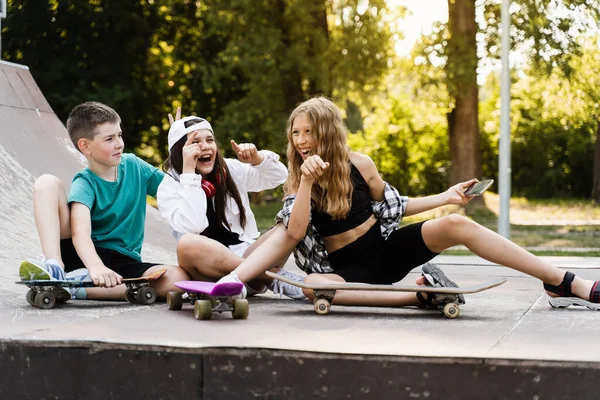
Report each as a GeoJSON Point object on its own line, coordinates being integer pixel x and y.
{"type": "Point", "coordinates": [332, 192]}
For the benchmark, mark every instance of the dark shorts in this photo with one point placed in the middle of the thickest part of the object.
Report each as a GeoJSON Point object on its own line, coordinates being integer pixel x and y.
{"type": "Point", "coordinates": [123, 265]}
{"type": "Point", "coordinates": [371, 259]}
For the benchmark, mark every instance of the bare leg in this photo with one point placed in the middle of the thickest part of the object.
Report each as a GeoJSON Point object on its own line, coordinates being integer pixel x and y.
{"type": "Point", "coordinates": [113, 293]}
{"type": "Point", "coordinates": [442, 233]}
{"type": "Point", "coordinates": [361, 298]}
{"type": "Point", "coordinates": [272, 252]}
{"type": "Point", "coordinates": [51, 213]}
{"type": "Point", "coordinates": [205, 259]}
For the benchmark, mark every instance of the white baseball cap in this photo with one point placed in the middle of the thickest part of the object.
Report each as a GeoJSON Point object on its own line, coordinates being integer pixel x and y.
{"type": "Point", "coordinates": [178, 129]}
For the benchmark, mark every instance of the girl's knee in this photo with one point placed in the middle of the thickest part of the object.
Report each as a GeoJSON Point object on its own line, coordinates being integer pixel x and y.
{"type": "Point", "coordinates": [455, 222]}
{"type": "Point", "coordinates": [192, 243]}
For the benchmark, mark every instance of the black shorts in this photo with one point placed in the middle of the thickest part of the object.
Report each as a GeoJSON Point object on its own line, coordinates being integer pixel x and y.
{"type": "Point", "coordinates": [371, 259]}
{"type": "Point", "coordinates": [123, 265]}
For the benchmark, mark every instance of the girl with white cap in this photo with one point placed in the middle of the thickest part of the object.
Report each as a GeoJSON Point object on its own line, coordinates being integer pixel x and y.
{"type": "Point", "coordinates": [204, 197]}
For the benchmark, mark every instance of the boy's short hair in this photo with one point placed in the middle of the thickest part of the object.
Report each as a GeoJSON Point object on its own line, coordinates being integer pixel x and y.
{"type": "Point", "coordinates": [84, 119]}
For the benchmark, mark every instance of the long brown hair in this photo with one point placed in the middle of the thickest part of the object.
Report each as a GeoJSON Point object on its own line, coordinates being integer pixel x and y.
{"type": "Point", "coordinates": [332, 192]}
{"type": "Point", "coordinates": [219, 176]}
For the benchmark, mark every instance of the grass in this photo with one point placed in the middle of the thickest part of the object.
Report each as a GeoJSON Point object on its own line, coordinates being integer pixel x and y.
{"type": "Point", "coordinates": [545, 227]}
{"type": "Point", "coordinates": [265, 214]}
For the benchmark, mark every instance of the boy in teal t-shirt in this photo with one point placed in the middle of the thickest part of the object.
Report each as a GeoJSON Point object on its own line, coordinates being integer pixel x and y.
{"type": "Point", "coordinates": [101, 225]}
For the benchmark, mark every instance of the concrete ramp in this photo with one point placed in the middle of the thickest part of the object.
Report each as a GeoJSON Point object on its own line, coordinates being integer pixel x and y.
{"type": "Point", "coordinates": [507, 343]}
{"type": "Point", "coordinates": [33, 141]}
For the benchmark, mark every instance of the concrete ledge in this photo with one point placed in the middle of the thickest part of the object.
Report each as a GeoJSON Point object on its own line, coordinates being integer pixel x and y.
{"type": "Point", "coordinates": [98, 371]}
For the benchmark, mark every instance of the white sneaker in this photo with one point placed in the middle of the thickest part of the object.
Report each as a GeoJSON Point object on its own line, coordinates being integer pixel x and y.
{"type": "Point", "coordinates": [41, 270]}
{"type": "Point", "coordinates": [44, 270]}
{"type": "Point", "coordinates": [232, 277]}
{"type": "Point", "coordinates": [283, 288]}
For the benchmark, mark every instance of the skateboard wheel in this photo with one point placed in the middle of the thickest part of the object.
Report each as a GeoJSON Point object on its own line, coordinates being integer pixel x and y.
{"type": "Point", "coordinates": [30, 297]}
{"type": "Point", "coordinates": [174, 300]}
{"type": "Point", "coordinates": [130, 295]}
{"type": "Point", "coordinates": [240, 309]}
{"type": "Point", "coordinates": [45, 300]}
{"type": "Point", "coordinates": [322, 306]}
{"type": "Point", "coordinates": [203, 309]}
{"type": "Point", "coordinates": [451, 310]}
{"type": "Point", "coordinates": [146, 295]}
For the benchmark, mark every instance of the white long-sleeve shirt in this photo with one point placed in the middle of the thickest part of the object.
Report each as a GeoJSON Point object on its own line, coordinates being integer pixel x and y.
{"type": "Point", "coordinates": [183, 203]}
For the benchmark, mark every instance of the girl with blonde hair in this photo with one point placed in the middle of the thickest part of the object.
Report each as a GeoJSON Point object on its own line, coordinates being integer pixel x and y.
{"type": "Point", "coordinates": [342, 221]}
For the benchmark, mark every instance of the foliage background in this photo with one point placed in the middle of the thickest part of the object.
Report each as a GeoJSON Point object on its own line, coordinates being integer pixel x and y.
{"type": "Point", "coordinates": [245, 64]}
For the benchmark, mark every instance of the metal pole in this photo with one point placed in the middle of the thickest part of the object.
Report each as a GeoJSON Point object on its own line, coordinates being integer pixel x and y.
{"type": "Point", "coordinates": [3, 12]}
{"type": "Point", "coordinates": [504, 171]}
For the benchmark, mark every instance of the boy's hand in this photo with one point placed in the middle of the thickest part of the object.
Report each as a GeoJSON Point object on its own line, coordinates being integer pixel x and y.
{"type": "Point", "coordinates": [105, 277]}
{"type": "Point", "coordinates": [247, 153]}
{"type": "Point", "coordinates": [456, 194]}
{"type": "Point", "coordinates": [177, 116]}
{"type": "Point", "coordinates": [313, 167]}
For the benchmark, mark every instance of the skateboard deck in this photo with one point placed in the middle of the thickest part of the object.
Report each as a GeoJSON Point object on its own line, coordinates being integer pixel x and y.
{"type": "Point", "coordinates": [210, 297]}
{"type": "Point", "coordinates": [45, 293]}
{"type": "Point", "coordinates": [447, 297]}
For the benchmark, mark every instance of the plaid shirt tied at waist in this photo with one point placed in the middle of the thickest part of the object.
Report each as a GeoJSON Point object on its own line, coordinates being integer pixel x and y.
{"type": "Point", "coordinates": [310, 253]}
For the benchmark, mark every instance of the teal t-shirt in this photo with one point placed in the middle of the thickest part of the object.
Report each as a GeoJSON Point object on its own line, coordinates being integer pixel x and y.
{"type": "Point", "coordinates": [118, 209]}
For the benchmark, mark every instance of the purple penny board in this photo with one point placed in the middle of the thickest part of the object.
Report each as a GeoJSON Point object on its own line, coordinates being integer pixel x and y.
{"type": "Point", "coordinates": [211, 288]}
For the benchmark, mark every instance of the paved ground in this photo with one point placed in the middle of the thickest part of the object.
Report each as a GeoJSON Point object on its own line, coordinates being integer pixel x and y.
{"type": "Point", "coordinates": [513, 321]}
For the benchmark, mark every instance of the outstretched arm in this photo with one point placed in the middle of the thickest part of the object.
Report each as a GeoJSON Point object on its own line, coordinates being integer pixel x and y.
{"type": "Point", "coordinates": [454, 195]}
{"type": "Point", "coordinates": [273, 250]}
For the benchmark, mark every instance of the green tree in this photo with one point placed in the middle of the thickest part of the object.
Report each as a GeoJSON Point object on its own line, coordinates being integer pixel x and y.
{"type": "Point", "coordinates": [247, 64]}
{"type": "Point", "coordinates": [553, 127]}
{"type": "Point", "coordinates": [242, 64]}
{"type": "Point", "coordinates": [405, 135]}
{"type": "Point", "coordinates": [87, 50]}
{"type": "Point", "coordinates": [544, 29]}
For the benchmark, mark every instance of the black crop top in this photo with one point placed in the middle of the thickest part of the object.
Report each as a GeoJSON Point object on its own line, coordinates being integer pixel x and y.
{"type": "Point", "coordinates": [360, 211]}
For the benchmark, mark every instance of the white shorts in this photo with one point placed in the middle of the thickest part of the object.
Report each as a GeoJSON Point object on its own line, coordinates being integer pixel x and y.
{"type": "Point", "coordinates": [240, 248]}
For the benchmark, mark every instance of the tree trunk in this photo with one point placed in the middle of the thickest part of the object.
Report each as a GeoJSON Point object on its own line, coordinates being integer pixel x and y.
{"type": "Point", "coordinates": [291, 77]}
{"type": "Point", "coordinates": [463, 124]}
{"type": "Point", "coordinates": [596, 170]}
{"type": "Point", "coordinates": [318, 46]}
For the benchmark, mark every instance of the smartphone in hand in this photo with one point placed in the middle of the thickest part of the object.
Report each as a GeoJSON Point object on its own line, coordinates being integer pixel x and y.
{"type": "Point", "coordinates": [477, 188]}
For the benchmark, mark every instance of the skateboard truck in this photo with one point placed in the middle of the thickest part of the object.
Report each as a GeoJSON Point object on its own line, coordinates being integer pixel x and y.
{"type": "Point", "coordinates": [323, 300]}
{"type": "Point", "coordinates": [139, 290]}
{"type": "Point", "coordinates": [208, 298]}
{"type": "Point", "coordinates": [45, 294]}
{"type": "Point", "coordinates": [140, 293]}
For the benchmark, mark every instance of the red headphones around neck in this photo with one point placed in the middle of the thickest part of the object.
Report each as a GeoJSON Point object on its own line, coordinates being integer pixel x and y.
{"type": "Point", "coordinates": [209, 187]}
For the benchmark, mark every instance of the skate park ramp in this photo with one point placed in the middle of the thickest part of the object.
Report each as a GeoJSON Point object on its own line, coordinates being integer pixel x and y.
{"type": "Point", "coordinates": [507, 343]}
{"type": "Point", "coordinates": [33, 141]}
